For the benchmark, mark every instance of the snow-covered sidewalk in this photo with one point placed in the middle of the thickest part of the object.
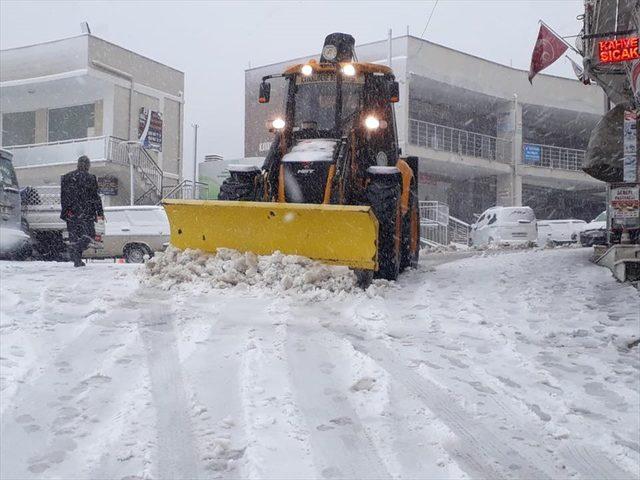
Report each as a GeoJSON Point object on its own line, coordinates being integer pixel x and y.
{"type": "Point", "coordinates": [503, 366]}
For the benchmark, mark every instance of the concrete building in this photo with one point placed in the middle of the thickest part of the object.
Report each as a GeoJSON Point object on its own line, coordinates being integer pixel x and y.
{"type": "Point", "coordinates": [84, 95]}
{"type": "Point", "coordinates": [483, 134]}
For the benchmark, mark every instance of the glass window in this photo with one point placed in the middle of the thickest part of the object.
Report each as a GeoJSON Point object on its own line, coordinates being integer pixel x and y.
{"type": "Point", "coordinates": [493, 219]}
{"type": "Point", "coordinates": [18, 128]}
{"type": "Point", "coordinates": [601, 218]}
{"type": "Point", "coordinates": [7, 173]}
{"type": "Point", "coordinates": [70, 122]}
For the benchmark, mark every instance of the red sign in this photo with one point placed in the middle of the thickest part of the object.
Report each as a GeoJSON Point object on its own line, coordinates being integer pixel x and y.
{"type": "Point", "coordinates": [620, 50]}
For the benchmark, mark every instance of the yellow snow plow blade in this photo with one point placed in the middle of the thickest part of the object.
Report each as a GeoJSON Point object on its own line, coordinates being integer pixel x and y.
{"type": "Point", "coordinates": [333, 234]}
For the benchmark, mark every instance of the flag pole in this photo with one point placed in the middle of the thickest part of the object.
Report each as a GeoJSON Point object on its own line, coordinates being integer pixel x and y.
{"type": "Point", "coordinates": [560, 37]}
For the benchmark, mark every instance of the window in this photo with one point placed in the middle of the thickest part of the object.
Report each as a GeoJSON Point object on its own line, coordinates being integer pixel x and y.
{"type": "Point", "coordinates": [70, 122]}
{"type": "Point", "coordinates": [18, 128]}
{"type": "Point", "coordinates": [7, 174]}
{"type": "Point", "coordinates": [493, 219]}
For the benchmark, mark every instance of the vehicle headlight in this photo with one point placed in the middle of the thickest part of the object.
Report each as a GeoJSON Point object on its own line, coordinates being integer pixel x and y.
{"type": "Point", "coordinates": [349, 70]}
{"type": "Point", "coordinates": [278, 124]}
{"type": "Point", "coordinates": [371, 122]}
{"type": "Point", "coordinates": [306, 70]}
{"type": "Point", "coordinates": [330, 52]}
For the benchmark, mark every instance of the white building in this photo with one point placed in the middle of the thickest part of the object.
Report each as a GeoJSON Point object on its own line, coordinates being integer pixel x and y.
{"type": "Point", "coordinates": [86, 96]}
{"type": "Point", "coordinates": [483, 134]}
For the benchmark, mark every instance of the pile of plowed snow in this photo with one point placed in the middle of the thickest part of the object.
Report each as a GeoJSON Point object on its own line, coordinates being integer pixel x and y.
{"type": "Point", "coordinates": [229, 268]}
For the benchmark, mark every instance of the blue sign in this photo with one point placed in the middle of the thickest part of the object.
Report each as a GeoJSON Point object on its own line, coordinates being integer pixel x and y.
{"type": "Point", "coordinates": [532, 154]}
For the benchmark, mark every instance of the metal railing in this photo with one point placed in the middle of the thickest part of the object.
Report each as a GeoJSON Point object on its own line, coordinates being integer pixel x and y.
{"type": "Point", "coordinates": [123, 153]}
{"type": "Point", "coordinates": [462, 142]}
{"type": "Point", "coordinates": [458, 231]}
{"type": "Point", "coordinates": [549, 156]}
{"type": "Point", "coordinates": [434, 223]}
{"type": "Point", "coordinates": [45, 196]}
{"type": "Point", "coordinates": [184, 191]}
{"type": "Point", "coordinates": [65, 151]}
{"type": "Point", "coordinates": [438, 228]}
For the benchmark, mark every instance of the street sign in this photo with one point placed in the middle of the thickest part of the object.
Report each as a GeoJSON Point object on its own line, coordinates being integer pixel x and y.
{"type": "Point", "coordinates": [532, 154]}
{"type": "Point", "coordinates": [624, 202]}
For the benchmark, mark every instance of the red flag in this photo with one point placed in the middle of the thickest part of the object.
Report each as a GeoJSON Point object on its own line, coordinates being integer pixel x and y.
{"type": "Point", "coordinates": [549, 47]}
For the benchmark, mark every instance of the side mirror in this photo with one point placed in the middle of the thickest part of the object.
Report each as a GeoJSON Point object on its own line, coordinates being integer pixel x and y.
{"type": "Point", "coordinates": [394, 92]}
{"type": "Point", "coordinates": [265, 92]}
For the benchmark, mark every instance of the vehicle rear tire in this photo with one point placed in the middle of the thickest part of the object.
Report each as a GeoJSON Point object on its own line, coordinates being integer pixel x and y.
{"type": "Point", "coordinates": [410, 251]}
{"type": "Point", "coordinates": [136, 252]}
{"type": "Point", "coordinates": [383, 194]}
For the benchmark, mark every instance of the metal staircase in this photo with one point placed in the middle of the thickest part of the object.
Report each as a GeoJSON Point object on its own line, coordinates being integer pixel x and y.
{"type": "Point", "coordinates": [133, 154]}
{"type": "Point", "coordinates": [438, 228]}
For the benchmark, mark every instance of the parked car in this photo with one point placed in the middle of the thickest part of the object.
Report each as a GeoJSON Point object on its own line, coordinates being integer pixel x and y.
{"type": "Point", "coordinates": [132, 232]}
{"type": "Point", "coordinates": [14, 242]}
{"type": "Point", "coordinates": [559, 231]}
{"type": "Point", "coordinates": [505, 226]}
{"type": "Point", "coordinates": [595, 232]}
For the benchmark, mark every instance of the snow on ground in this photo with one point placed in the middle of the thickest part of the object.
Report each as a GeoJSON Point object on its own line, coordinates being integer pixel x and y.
{"type": "Point", "coordinates": [509, 365]}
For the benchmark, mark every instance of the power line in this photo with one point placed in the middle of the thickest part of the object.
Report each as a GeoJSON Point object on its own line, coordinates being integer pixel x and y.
{"type": "Point", "coordinates": [433, 9]}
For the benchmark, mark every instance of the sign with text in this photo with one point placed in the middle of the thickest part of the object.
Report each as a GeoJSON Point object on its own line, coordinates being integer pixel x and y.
{"type": "Point", "coordinates": [150, 129]}
{"type": "Point", "coordinates": [108, 185]}
{"type": "Point", "coordinates": [624, 201]}
{"type": "Point", "coordinates": [630, 146]}
{"type": "Point", "coordinates": [532, 154]}
{"type": "Point", "coordinates": [618, 50]}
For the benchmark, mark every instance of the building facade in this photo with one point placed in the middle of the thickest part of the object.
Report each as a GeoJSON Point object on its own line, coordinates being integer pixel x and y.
{"type": "Point", "coordinates": [86, 96]}
{"type": "Point", "coordinates": [483, 135]}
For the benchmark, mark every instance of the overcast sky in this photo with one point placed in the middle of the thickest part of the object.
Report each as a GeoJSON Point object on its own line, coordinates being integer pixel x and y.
{"type": "Point", "coordinates": [214, 41]}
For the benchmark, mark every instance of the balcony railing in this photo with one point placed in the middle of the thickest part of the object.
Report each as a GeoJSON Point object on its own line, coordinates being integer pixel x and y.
{"type": "Point", "coordinates": [53, 153]}
{"type": "Point", "coordinates": [104, 148]}
{"type": "Point", "coordinates": [462, 142]}
{"type": "Point", "coordinates": [549, 156]}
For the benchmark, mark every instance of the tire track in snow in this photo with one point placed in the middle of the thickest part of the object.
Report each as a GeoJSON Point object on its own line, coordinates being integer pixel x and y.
{"type": "Point", "coordinates": [482, 451]}
{"type": "Point", "coordinates": [277, 436]}
{"type": "Point", "coordinates": [176, 446]}
{"type": "Point", "coordinates": [341, 446]}
{"type": "Point", "coordinates": [593, 464]}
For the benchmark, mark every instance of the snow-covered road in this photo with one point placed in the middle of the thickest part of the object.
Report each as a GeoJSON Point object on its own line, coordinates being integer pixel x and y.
{"type": "Point", "coordinates": [503, 366]}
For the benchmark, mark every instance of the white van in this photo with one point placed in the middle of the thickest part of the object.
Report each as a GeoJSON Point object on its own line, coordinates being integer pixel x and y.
{"type": "Point", "coordinates": [132, 232]}
{"type": "Point", "coordinates": [505, 226]}
{"type": "Point", "coordinates": [559, 231]}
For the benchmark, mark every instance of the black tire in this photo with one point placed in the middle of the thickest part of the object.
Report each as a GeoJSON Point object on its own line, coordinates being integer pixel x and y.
{"type": "Point", "coordinates": [383, 194]}
{"type": "Point", "coordinates": [410, 249]}
{"type": "Point", "coordinates": [241, 186]}
{"type": "Point", "coordinates": [135, 253]}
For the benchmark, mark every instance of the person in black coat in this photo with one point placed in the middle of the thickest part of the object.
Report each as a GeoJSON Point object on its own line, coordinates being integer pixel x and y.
{"type": "Point", "coordinates": [81, 207]}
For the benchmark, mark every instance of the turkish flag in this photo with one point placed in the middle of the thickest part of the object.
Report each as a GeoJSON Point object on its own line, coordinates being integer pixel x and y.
{"type": "Point", "coordinates": [547, 50]}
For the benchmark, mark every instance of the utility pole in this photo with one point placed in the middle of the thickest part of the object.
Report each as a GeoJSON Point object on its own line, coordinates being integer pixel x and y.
{"type": "Point", "coordinates": [390, 51]}
{"type": "Point", "coordinates": [195, 158]}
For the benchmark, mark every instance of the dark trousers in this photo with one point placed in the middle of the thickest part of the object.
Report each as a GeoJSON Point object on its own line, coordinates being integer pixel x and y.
{"type": "Point", "coordinates": [81, 233]}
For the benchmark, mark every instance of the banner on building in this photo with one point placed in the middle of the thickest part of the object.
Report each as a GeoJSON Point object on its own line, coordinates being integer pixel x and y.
{"type": "Point", "coordinates": [630, 146]}
{"type": "Point", "coordinates": [150, 129]}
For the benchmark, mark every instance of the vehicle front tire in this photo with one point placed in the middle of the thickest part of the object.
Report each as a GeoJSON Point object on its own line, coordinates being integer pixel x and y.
{"type": "Point", "coordinates": [136, 252]}
{"type": "Point", "coordinates": [383, 194]}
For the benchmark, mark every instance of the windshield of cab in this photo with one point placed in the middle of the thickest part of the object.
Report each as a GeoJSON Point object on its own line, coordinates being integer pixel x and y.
{"type": "Point", "coordinates": [316, 98]}
{"type": "Point", "coordinates": [7, 174]}
{"type": "Point", "coordinates": [602, 217]}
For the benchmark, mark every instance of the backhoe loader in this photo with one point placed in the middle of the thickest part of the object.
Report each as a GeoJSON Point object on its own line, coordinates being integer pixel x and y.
{"type": "Point", "coordinates": [332, 187]}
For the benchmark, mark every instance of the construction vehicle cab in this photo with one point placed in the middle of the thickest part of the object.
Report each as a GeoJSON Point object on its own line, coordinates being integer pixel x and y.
{"type": "Point", "coordinates": [334, 156]}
